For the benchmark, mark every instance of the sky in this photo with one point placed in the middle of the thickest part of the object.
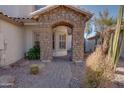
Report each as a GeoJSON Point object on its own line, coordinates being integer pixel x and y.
{"type": "Point", "coordinates": [95, 9]}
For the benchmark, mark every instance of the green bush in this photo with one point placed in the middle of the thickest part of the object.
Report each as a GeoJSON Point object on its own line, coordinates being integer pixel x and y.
{"type": "Point", "coordinates": [33, 53]}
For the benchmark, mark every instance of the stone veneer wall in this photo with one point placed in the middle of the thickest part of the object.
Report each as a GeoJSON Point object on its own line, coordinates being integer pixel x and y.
{"type": "Point", "coordinates": [62, 16]}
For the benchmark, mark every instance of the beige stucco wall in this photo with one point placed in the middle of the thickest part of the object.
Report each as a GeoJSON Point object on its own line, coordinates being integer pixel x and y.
{"type": "Point", "coordinates": [29, 39]}
{"type": "Point", "coordinates": [29, 36]}
{"type": "Point", "coordinates": [14, 43]}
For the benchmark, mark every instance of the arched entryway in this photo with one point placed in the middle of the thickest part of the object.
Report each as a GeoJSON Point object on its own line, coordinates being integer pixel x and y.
{"type": "Point", "coordinates": [62, 15]}
{"type": "Point", "coordinates": [62, 42]}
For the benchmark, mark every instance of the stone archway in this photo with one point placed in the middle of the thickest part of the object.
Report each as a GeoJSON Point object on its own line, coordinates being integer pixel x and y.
{"type": "Point", "coordinates": [64, 16]}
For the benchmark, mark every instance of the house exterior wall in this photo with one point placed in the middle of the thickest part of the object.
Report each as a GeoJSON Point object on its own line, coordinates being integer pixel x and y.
{"type": "Point", "coordinates": [29, 35]}
{"type": "Point", "coordinates": [18, 40]}
{"type": "Point", "coordinates": [89, 45]}
{"type": "Point", "coordinates": [29, 39]}
{"type": "Point", "coordinates": [14, 46]}
{"type": "Point", "coordinates": [17, 10]}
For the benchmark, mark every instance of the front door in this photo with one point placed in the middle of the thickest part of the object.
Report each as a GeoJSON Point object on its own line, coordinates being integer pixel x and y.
{"type": "Point", "coordinates": [60, 42]}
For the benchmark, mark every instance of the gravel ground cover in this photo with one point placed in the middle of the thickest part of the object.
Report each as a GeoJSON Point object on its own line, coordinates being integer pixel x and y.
{"type": "Point", "coordinates": [119, 75]}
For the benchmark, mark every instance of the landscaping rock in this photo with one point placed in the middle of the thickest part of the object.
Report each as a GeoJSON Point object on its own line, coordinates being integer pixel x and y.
{"type": "Point", "coordinates": [7, 81]}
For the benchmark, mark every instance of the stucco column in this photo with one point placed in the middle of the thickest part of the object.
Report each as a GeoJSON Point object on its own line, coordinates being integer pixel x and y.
{"type": "Point", "coordinates": [46, 44]}
{"type": "Point", "coordinates": [77, 45]}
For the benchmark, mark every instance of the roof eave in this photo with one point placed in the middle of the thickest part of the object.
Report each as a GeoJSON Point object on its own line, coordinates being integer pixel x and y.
{"type": "Point", "coordinates": [10, 19]}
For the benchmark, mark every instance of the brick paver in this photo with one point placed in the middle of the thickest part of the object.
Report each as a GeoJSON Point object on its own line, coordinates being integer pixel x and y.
{"type": "Point", "coordinates": [52, 75]}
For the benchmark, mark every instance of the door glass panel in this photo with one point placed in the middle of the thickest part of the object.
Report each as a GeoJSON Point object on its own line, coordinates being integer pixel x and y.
{"type": "Point", "coordinates": [62, 41]}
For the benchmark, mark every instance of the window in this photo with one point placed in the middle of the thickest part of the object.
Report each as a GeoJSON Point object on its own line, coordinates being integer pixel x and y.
{"type": "Point", "coordinates": [62, 41]}
{"type": "Point", "coordinates": [36, 36]}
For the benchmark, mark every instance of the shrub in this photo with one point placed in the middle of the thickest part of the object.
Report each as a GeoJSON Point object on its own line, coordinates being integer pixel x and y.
{"type": "Point", "coordinates": [99, 69]}
{"type": "Point", "coordinates": [34, 69]}
{"type": "Point", "coordinates": [33, 53]}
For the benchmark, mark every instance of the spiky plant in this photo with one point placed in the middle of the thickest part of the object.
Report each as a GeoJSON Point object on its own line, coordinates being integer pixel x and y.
{"type": "Point", "coordinates": [118, 38]}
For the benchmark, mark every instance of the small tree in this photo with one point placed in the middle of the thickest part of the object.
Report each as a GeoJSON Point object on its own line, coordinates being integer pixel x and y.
{"type": "Point", "coordinates": [102, 23]}
{"type": "Point", "coordinates": [104, 20]}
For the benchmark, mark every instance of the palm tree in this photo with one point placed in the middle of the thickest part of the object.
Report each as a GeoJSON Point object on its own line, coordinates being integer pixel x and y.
{"type": "Point", "coordinates": [102, 23]}
{"type": "Point", "coordinates": [104, 20]}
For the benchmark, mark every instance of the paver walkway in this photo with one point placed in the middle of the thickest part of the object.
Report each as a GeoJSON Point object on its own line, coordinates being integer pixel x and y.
{"type": "Point", "coordinates": [53, 75]}
{"type": "Point", "coordinates": [56, 74]}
